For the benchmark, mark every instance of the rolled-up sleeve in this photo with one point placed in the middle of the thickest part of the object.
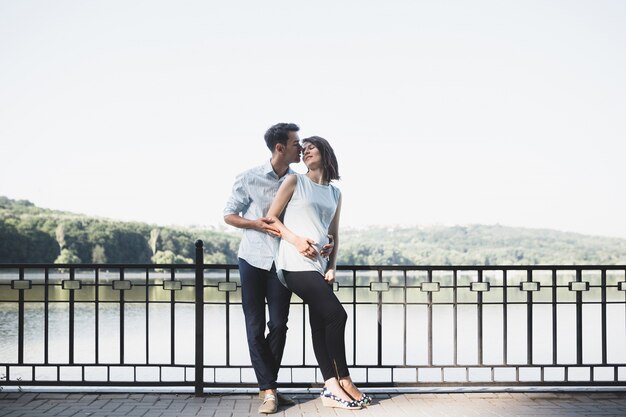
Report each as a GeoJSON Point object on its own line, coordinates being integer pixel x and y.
{"type": "Point", "coordinates": [239, 200]}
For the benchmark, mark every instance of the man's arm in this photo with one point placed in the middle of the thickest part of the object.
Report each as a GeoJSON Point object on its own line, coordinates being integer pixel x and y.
{"type": "Point", "coordinates": [327, 249]}
{"type": "Point", "coordinates": [238, 203]}
{"type": "Point", "coordinates": [263, 225]}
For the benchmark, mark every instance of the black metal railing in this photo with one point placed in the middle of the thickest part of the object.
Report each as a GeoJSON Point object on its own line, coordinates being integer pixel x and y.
{"type": "Point", "coordinates": [182, 325]}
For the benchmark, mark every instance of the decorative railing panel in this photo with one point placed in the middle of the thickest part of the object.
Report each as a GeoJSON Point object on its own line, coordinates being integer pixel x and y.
{"type": "Point", "coordinates": [149, 325]}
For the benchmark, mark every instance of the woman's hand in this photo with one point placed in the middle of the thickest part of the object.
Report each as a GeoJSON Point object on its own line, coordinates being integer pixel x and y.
{"type": "Point", "coordinates": [306, 247]}
{"type": "Point", "coordinates": [329, 277]}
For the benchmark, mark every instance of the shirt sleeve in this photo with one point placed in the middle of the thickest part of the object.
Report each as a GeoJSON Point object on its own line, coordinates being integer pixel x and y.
{"type": "Point", "coordinates": [239, 200]}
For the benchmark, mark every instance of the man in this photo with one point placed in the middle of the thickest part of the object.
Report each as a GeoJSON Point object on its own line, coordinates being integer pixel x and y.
{"type": "Point", "coordinates": [251, 198]}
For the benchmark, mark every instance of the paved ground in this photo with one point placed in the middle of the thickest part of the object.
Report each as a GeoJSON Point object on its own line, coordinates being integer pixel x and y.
{"type": "Point", "coordinates": [308, 405]}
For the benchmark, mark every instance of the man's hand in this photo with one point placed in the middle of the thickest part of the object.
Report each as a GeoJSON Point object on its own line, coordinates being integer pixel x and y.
{"type": "Point", "coordinates": [265, 225]}
{"type": "Point", "coordinates": [306, 247]}
{"type": "Point", "coordinates": [328, 248]}
{"type": "Point", "coordinates": [329, 277]}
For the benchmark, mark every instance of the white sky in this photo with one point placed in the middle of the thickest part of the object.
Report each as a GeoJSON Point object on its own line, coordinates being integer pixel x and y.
{"type": "Point", "coordinates": [447, 112]}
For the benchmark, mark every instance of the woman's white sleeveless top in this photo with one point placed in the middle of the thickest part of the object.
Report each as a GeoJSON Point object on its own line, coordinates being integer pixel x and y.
{"type": "Point", "coordinates": [308, 214]}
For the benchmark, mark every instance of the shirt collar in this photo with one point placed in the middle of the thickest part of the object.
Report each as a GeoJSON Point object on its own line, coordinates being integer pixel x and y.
{"type": "Point", "coordinates": [269, 170]}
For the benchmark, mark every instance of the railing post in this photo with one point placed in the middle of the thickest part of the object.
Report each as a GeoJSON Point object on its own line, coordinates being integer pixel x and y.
{"type": "Point", "coordinates": [579, 320]}
{"type": "Point", "coordinates": [20, 324]}
{"type": "Point", "coordinates": [199, 287]}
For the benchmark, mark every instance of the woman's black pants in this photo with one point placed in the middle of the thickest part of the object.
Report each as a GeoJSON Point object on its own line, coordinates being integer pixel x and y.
{"type": "Point", "coordinates": [327, 318]}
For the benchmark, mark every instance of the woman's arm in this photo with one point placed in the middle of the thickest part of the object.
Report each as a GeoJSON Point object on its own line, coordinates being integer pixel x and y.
{"type": "Point", "coordinates": [332, 259]}
{"type": "Point", "coordinates": [262, 225]}
{"type": "Point", "coordinates": [305, 246]}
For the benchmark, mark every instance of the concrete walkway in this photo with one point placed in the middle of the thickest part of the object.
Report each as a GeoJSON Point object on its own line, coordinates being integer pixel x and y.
{"type": "Point", "coordinates": [35, 404]}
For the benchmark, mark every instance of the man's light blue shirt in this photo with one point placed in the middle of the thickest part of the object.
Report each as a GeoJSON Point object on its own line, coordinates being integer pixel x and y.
{"type": "Point", "coordinates": [253, 193]}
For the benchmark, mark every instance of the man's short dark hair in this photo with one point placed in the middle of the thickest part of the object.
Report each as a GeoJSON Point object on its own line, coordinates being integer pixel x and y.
{"type": "Point", "coordinates": [279, 133]}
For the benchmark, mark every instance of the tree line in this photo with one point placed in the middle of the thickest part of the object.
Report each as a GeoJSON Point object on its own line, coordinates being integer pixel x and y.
{"type": "Point", "coordinates": [478, 245]}
{"type": "Point", "coordinates": [29, 234]}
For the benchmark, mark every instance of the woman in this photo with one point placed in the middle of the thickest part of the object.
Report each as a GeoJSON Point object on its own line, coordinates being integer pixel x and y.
{"type": "Point", "coordinates": [311, 208]}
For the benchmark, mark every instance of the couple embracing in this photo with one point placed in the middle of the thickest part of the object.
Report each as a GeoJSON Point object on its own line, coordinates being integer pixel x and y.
{"type": "Point", "coordinates": [296, 254]}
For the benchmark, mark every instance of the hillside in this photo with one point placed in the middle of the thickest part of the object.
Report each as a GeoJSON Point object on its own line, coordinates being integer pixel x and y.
{"type": "Point", "coordinates": [30, 234]}
{"type": "Point", "coordinates": [479, 245]}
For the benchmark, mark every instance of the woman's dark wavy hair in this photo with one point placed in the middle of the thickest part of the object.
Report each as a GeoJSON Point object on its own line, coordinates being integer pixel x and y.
{"type": "Point", "coordinates": [329, 160]}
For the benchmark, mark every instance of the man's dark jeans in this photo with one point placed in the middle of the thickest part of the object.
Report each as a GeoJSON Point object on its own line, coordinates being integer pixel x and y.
{"type": "Point", "coordinates": [266, 353]}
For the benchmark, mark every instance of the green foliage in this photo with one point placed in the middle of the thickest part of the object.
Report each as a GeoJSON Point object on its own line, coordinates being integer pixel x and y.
{"type": "Point", "coordinates": [20, 244]}
{"type": "Point", "coordinates": [169, 257]}
{"type": "Point", "coordinates": [29, 234]}
{"type": "Point", "coordinates": [476, 245]}
{"type": "Point", "coordinates": [215, 258]}
{"type": "Point", "coordinates": [98, 255]}
{"type": "Point", "coordinates": [67, 257]}
{"type": "Point", "coordinates": [364, 254]}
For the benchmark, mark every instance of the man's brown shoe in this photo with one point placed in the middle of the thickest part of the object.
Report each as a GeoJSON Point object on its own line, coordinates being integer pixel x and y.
{"type": "Point", "coordinates": [269, 406]}
{"type": "Point", "coordinates": [282, 399]}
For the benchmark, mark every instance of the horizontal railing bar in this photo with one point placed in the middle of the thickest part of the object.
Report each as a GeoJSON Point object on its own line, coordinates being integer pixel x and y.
{"type": "Point", "coordinates": [364, 303]}
{"type": "Point", "coordinates": [164, 384]}
{"type": "Point", "coordinates": [305, 366]}
{"type": "Point", "coordinates": [339, 267]}
{"type": "Point", "coordinates": [346, 286]}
